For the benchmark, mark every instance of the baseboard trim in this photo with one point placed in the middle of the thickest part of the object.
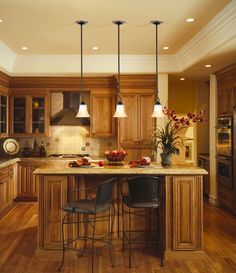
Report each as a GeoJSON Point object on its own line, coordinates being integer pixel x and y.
{"type": "Point", "coordinates": [213, 200]}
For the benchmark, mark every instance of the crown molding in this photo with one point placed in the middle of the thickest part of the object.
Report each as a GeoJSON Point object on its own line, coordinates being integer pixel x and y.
{"type": "Point", "coordinates": [220, 30]}
{"type": "Point", "coordinates": [7, 57]}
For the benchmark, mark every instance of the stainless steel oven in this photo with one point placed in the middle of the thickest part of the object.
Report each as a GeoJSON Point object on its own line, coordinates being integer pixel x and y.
{"type": "Point", "coordinates": [225, 172]}
{"type": "Point", "coordinates": [224, 136]}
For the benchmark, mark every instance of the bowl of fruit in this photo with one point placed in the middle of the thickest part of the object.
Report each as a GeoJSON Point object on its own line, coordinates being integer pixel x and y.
{"type": "Point", "coordinates": [115, 157]}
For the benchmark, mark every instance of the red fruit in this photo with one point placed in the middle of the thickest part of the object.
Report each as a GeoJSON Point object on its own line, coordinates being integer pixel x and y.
{"type": "Point", "coordinates": [101, 163]}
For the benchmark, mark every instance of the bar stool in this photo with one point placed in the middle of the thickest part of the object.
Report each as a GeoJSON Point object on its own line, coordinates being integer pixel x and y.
{"type": "Point", "coordinates": [141, 192]}
{"type": "Point", "coordinates": [91, 209]}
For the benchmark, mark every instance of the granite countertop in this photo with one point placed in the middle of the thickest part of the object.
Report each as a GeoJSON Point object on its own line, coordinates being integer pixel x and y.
{"type": "Point", "coordinates": [60, 167]}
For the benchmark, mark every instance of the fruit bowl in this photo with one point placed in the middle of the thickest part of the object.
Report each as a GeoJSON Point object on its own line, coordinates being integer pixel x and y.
{"type": "Point", "coordinates": [115, 157]}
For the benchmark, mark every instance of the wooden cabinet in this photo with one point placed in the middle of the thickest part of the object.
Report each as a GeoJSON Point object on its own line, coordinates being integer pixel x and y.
{"type": "Point", "coordinates": [7, 187]}
{"type": "Point", "coordinates": [134, 130]}
{"type": "Point", "coordinates": [27, 187]}
{"type": "Point", "coordinates": [29, 115]}
{"type": "Point", "coordinates": [226, 100]}
{"type": "Point", "coordinates": [102, 111]}
{"type": "Point", "coordinates": [54, 191]}
{"type": "Point", "coordinates": [184, 212]}
{"type": "Point", "coordinates": [3, 114]}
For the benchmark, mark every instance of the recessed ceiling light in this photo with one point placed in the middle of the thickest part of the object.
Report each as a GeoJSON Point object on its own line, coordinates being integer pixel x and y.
{"type": "Point", "coordinates": [0, 20]}
{"type": "Point", "coordinates": [165, 47]}
{"type": "Point", "coordinates": [24, 48]}
{"type": "Point", "coordinates": [95, 47]}
{"type": "Point", "coordinates": [190, 20]}
{"type": "Point", "coordinates": [182, 79]}
{"type": "Point", "coordinates": [208, 65]}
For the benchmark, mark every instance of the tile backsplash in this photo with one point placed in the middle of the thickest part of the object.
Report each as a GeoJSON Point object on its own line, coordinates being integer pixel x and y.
{"type": "Point", "coordinates": [71, 139]}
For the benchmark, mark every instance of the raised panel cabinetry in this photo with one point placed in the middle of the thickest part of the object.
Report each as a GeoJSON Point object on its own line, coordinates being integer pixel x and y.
{"type": "Point", "coordinates": [226, 100]}
{"type": "Point", "coordinates": [7, 187]}
{"type": "Point", "coordinates": [102, 111]}
{"type": "Point", "coordinates": [187, 212]}
{"type": "Point", "coordinates": [138, 126]}
{"type": "Point", "coordinates": [29, 115]}
{"type": "Point", "coordinates": [27, 185]}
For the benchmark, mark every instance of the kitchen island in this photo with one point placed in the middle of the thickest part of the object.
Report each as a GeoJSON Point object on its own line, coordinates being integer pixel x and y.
{"type": "Point", "coordinates": [182, 200]}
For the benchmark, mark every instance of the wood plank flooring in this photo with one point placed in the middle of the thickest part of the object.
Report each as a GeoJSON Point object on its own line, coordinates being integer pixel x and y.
{"type": "Point", "coordinates": [19, 254]}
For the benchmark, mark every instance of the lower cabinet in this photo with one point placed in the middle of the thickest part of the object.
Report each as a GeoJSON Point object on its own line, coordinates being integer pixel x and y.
{"type": "Point", "coordinates": [7, 187]}
{"type": "Point", "coordinates": [26, 182]}
{"type": "Point", "coordinates": [184, 212]}
{"type": "Point", "coordinates": [54, 190]}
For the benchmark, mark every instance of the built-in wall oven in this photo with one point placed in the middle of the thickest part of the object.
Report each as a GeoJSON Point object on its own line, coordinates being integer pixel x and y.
{"type": "Point", "coordinates": [224, 136]}
{"type": "Point", "coordinates": [225, 172]}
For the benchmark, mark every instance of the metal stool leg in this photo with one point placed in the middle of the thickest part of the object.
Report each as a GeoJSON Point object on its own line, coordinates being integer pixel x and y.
{"type": "Point", "coordinates": [123, 228]}
{"type": "Point", "coordinates": [94, 227]}
{"type": "Point", "coordinates": [85, 220]}
{"type": "Point", "coordinates": [110, 229]}
{"type": "Point", "coordinates": [63, 243]}
{"type": "Point", "coordinates": [129, 239]}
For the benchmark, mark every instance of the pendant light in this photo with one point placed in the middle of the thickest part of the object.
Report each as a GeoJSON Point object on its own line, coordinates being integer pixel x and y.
{"type": "Point", "coordinates": [157, 112]}
{"type": "Point", "coordinates": [83, 110]}
{"type": "Point", "coordinates": [120, 109]}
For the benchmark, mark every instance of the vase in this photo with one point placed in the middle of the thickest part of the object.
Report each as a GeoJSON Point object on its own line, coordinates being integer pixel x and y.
{"type": "Point", "coordinates": [166, 159]}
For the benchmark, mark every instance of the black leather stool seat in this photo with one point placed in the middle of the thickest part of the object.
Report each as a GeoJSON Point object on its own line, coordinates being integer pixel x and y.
{"type": "Point", "coordinates": [85, 206]}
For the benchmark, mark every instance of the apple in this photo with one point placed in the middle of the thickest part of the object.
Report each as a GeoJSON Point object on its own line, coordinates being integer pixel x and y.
{"type": "Point", "coordinates": [101, 163]}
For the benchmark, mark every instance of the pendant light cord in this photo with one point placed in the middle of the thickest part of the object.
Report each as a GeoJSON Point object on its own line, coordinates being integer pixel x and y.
{"type": "Point", "coordinates": [157, 97]}
{"type": "Point", "coordinates": [118, 85]}
{"type": "Point", "coordinates": [118, 23]}
{"type": "Point", "coordinates": [81, 23]}
{"type": "Point", "coordinates": [81, 61]}
{"type": "Point", "coordinates": [156, 23]}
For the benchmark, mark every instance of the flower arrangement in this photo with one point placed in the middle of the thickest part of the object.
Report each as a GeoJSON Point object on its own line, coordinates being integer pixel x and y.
{"type": "Point", "coordinates": [168, 138]}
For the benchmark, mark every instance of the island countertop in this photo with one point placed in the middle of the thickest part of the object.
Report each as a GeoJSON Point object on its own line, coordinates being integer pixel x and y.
{"type": "Point", "coordinates": [62, 167]}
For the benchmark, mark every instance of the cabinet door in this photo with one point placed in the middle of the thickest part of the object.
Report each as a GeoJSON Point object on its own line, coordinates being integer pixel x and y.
{"type": "Point", "coordinates": [102, 111]}
{"type": "Point", "coordinates": [146, 123]}
{"type": "Point", "coordinates": [3, 115]}
{"type": "Point", "coordinates": [39, 115]}
{"type": "Point", "coordinates": [23, 180]}
{"type": "Point", "coordinates": [19, 113]}
{"type": "Point", "coordinates": [187, 212]}
{"type": "Point", "coordinates": [226, 100]}
{"type": "Point", "coordinates": [33, 181]}
{"type": "Point", "coordinates": [128, 127]}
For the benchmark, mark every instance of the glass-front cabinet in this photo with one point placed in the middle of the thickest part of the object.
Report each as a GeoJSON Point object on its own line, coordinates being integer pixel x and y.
{"type": "Point", "coordinates": [38, 115]}
{"type": "Point", "coordinates": [29, 115]}
{"type": "Point", "coordinates": [19, 115]}
{"type": "Point", "coordinates": [3, 115]}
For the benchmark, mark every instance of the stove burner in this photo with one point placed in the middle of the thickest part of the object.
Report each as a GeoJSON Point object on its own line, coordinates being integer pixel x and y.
{"type": "Point", "coordinates": [68, 155]}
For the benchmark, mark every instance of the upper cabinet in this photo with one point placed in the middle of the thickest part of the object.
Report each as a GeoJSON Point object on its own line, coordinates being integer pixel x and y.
{"type": "Point", "coordinates": [138, 126]}
{"type": "Point", "coordinates": [29, 115]}
{"type": "Point", "coordinates": [4, 88]}
{"type": "Point", "coordinates": [3, 114]}
{"type": "Point", "coordinates": [102, 107]}
{"type": "Point", "coordinates": [226, 88]}
{"type": "Point", "coordinates": [226, 100]}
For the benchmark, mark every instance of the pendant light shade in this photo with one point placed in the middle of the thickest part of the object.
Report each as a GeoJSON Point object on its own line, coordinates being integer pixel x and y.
{"type": "Point", "coordinates": [120, 108]}
{"type": "Point", "coordinates": [83, 110]}
{"type": "Point", "coordinates": [158, 111]}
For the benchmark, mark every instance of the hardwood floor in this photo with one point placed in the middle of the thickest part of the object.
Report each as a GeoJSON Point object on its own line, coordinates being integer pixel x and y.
{"type": "Point", "coordinates": [19, 254]}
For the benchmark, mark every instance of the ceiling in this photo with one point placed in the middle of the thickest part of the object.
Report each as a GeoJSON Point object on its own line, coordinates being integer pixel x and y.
{"type": "Point", "coordinates": [47, 27]}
